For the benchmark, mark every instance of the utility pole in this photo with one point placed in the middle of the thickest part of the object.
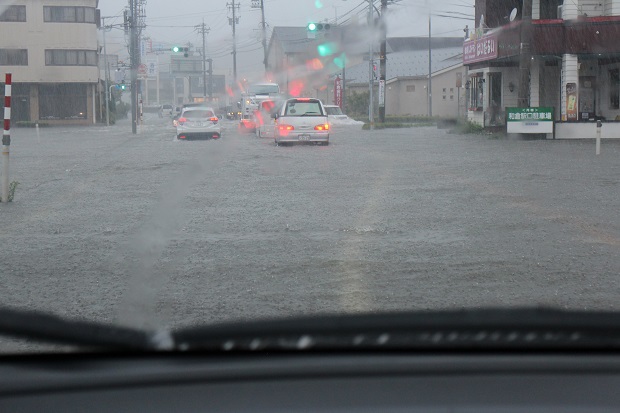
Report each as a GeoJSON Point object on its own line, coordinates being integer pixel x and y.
{"type": "Point", "coordinates": [134, 62]}
{"type": "Point", "coordinates": [371, 74]}
{"type": "Point", "coordinates": [261, 4]}
{"type": "Point", "coordinates": [233, 22]}
{"type": "Point", "coordinates": [105, 64]}
{"type": "Point", "coordinates": [525, 58]}
{"type": "Point", "coordinates": [204, 30]}
{"type": "Point", "coordinates": [430, 74]}
{"type": "Point", "coordinates": [210, 79]}
{"type": "Point", "coordinates": [344, 84]}
{"type": "Point", "coordinates": [264, 27]}
{"type": "Point", "coordinates": [382, 61]}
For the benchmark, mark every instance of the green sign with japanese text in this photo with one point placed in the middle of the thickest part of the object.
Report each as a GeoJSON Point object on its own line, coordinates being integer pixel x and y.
{"type": "Point", "coordinates": [529, 120]}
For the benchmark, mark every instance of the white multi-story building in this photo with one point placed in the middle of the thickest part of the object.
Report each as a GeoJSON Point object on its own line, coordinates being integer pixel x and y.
{"type": "Point", "coordinates": [51, 48]}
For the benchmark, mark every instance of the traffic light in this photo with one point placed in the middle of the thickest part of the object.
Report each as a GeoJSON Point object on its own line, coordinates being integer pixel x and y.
{"type": "Point", "coordinates": [318, 27]}
{"type": "Point", "coordinates": [179, 49]}
{"type": "Point", "coordinates": [321, 28]}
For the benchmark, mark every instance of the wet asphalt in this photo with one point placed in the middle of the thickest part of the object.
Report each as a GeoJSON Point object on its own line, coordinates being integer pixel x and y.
{"type": "Point", "coordinates": [149, 231]}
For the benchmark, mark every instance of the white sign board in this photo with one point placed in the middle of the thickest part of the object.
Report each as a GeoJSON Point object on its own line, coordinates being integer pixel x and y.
{"type": "Point", "coordinates": [529, 120]}
{"type": "Point", "coordinates": [151, 68]}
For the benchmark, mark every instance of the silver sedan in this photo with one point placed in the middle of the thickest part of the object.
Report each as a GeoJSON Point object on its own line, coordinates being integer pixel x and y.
{"type": "Point", "coordinates": [198, 123]}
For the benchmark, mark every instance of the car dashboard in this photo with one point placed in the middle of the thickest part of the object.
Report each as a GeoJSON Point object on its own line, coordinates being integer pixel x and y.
{"type": "Point", "coordinates": [312, 382]}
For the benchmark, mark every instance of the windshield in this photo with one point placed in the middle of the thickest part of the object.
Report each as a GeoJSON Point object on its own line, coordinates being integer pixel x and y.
{"type": "Point", "coordinates": [263, 89]}
{"type": "Point", "coordinates": [198, 114]}
{"type": "Point", "coordinates": [468, 172]}
{"type": "Point", "coordinates": [331, 110]}
{"type": "Point", "coordinates": [301, 108]}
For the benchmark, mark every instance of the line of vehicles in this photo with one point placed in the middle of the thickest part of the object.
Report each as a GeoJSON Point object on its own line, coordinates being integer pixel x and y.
{"type": "Point", "coordinates": [265, 112]}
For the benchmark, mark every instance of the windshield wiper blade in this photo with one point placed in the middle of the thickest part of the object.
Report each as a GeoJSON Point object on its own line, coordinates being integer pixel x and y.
{"type": "Point", "coordinates": [458, 330]}
{"type": "Point", "coordinates": [43, 327]}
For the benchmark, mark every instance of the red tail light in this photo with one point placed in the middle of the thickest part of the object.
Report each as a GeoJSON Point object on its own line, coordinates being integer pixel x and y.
{"type": "Point", "coordinates": [182, 120]}
{"type": "Point", "coordinates": [284, 130]}
{"type": "Point", "coordinates": [248, 123]}
{"type": "Point", "coordinates": [182, 137]}
{"type": "Point", "coordinates": [214, 119]}
{"type": "Point", "coordinates": [324, 126]}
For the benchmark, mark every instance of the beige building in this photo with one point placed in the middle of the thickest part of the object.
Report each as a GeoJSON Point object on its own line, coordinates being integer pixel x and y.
{"type": "Point", "coordinates": [407, 95]}
{"type": "Point", "coordinates": [51, 49]}
{"type": "Point", "coordinates": [406, 87]}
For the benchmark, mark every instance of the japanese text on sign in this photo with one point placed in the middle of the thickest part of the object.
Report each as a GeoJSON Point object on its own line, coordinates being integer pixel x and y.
{"type": "Point", "coordinates": [480, 49]}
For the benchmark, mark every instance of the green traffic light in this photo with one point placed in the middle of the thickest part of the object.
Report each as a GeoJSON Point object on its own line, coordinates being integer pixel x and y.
{"type": "Point", "coordinates": [176, 49]}
{"type": "Point", "coordinates": [311, 27]}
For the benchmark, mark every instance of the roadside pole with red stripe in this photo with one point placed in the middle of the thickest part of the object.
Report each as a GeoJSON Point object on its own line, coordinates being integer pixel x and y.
{"type": "Point", "coordinates": [6, 138]}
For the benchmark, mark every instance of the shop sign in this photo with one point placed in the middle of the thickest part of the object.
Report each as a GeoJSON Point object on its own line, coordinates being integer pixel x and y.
{"type": "Point", "coordinates": [478, 50]}
{"type": "Point", "coordinates": [529, 120]}
{"type": "Point", "coordinates": [338, 91]}
{"type": "Point", "coordinates": [571, 101]}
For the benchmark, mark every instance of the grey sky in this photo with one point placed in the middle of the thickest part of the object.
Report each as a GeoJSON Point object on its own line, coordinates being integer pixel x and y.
{"type": "Point", "coordinates": [172, 22]}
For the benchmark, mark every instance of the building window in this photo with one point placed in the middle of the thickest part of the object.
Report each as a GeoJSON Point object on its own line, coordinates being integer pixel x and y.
{"type": "Point", "coordinates": [63, 101]}
{"type": "Point", "coordinates": [69, 14]}
{"type": "Point", "coordinates": [476, 85]}
{"type": "Point", "coordinates": [451, 90]}
{"type": "Point", "coordinates": [444, 97]}
{"type": "Point", "coordinates": [14, 14]}
{"type": "Point", "coordinates": [13, 57]}
{"type": "Point", "coordinates": [410, 88]}
{"type": "Point", "coordinates": [444, 90]}
{"type": "Point", "coordinates": [70, 58]}
{"type": "Point", "coordinates": [451, 97]}
{"type": "Point", "coordinates": [614, 89]}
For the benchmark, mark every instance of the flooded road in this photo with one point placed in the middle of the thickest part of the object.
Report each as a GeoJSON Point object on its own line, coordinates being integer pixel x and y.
{"type": "Point", "coordinates": [150, 231]}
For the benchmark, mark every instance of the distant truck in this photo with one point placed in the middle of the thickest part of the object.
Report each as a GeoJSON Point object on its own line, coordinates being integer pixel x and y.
{"type": "Point", "coordinates": [251, 100]}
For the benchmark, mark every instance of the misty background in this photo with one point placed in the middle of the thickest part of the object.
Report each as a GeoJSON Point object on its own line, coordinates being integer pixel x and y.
{"type": "Point", "coordinates": [170, 23]}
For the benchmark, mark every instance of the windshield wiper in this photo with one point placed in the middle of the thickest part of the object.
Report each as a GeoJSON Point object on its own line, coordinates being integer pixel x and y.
{"type": "Point", "coordinates": [44, 327]}
{"type": "Point", "coordinates": [459, 330]}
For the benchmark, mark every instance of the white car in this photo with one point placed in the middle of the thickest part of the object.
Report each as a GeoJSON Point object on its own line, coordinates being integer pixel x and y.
{"type": "Point", "coordinates": [198, 123]}
{"type": "Point", "coordinates": [335, 113]}
{"type": "Point", "coordinates": [301, 120]}
{"type": "Point", "coordinates": [263, 118]}
{"type": "Point", "coordinates": [337, 118]}
{"type": "Point", "coordinates": [167, 110]}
